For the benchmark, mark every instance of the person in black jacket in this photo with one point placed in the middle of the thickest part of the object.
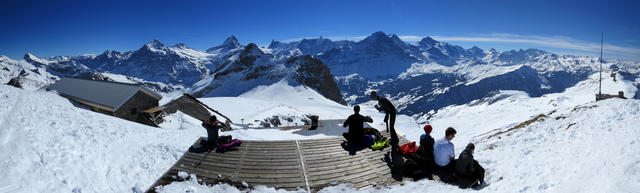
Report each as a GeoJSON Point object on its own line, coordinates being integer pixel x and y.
{"type": "Point", "coordinates": [212, 125]}
{"type": "Point", "coordinates": [468, 172]}
{"type": "Point", "coordinates": [390, 115]}
{"type": "Point", "coordinates": [420, 163]}
{"type": "Point", "coordinates": [355, 123]}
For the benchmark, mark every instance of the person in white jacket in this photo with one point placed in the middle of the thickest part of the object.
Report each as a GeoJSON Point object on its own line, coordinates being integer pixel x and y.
{"type": "Point", "coordinates": [444, 155]}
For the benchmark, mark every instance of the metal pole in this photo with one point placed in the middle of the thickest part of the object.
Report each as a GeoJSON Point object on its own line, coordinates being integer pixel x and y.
{"type": "Point", "coordinates": [600, 82]}
{"type": "Point", "coordinates": [200, 102]}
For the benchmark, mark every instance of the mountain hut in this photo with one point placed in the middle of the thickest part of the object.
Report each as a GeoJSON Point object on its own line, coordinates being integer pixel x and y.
{"type": "Point", "coordinates": [123, 100]}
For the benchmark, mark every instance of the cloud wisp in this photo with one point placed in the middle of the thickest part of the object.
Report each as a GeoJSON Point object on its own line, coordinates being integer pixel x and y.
{"type": "Point", "coordinates": [554, 42]}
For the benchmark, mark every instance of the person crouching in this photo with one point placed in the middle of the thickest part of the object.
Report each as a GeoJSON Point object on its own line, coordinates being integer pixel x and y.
{"type": "Point", "coordinates": [468, 172]}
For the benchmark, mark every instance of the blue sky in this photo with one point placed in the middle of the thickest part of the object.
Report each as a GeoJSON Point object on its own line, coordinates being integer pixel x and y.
{"type": "Point", "coordinates": [51, 28]}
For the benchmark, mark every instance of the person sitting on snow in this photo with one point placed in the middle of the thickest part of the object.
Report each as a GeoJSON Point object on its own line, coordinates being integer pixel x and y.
{"type": "Point", "coordinates": [212, 125]}
{"type": "Point", "coordinates": [420, 163]}
{"type": "Point", "coordinates": [444, 156]}
{"type": "Point", "coordinates": [355, 123]}
{"type": "Point", "coordinates": [468, 172]}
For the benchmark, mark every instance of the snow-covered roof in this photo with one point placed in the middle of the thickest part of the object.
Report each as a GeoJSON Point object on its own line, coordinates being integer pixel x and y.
{"type": "Point", "coordinates": [104, 93]}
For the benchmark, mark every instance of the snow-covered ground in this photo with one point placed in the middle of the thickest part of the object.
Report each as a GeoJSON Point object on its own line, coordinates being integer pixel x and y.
{"type": "Point", "coordinates": [49, 145]}
{"type": "Point", "coordinates": [283, 100]}
{"type": "Point", "coordinates": [510, 108]}
{"type": "Point", "coordinates": [577, 146]}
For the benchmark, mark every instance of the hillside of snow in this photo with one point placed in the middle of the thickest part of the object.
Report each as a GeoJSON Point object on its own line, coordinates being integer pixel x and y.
{"type": "Point", "coordinates": [507, 108]}
{"type": "Point", "coordinates": [50, 145]}
{"type": "Point", "coordinates": [563, 142]}
{"type": "Point", "coordinates": [70, 149]}
{"type": "Point", "coordinates": [587, 148]}
{"type": "Point", "coordinates": [286, 102]}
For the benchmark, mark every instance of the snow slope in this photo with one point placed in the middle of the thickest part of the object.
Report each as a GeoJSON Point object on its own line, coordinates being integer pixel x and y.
{"type": "Point", "coordinates": [509, 108]}
{"type": "Point", "coordinates": [576, 146]}
{"type": "Point", "coordinates": [38, 76]}
{"type": "Point", "coordinates": [588, 148]}
{"type": "Point", "coordinates": [48, 145]}
{"type": "Point", "coordinates": [286, 101]}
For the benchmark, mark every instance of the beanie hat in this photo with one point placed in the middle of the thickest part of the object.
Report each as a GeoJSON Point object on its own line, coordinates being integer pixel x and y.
{"type": "Point", "coordinates": [470, 146]}
{"type": "Point", "coordinates": [427, 129]}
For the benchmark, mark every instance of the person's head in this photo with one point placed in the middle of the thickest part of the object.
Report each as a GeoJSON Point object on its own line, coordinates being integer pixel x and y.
{"type": "Point", "coordinates": [450, 133]}
{"type": "Point", "coordinates": [470, 147]}
{"type": "Point", "coordinates": [213, 118]}
{"type": "Point", "coordinates": [356, 109]}
{"type": "Point", "coordinates": [374, 95]}
{"type": "Point", "coordinates": [427, 129]}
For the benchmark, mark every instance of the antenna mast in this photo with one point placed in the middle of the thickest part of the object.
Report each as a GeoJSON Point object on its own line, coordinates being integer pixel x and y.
{"type": "Point", "coordinates": [600, 81]}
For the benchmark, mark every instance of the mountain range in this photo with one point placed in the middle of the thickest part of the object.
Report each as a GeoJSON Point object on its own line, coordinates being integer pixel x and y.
{"type": "Point", "coordinates": [418, 77]}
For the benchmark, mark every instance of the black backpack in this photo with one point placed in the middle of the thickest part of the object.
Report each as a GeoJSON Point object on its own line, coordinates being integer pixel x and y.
{"type": "Point", "coordinates": [224, 139]}
{"type": "Point", "coordinates": [376, 134]}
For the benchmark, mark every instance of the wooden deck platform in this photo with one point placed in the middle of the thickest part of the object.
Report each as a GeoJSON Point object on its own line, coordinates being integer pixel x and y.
{"type": "Point", "coordinates": [298, 164]}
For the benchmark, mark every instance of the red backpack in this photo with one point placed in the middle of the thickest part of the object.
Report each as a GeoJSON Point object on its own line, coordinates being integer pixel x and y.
{"type": "Point", "coordinates": [408, 149]}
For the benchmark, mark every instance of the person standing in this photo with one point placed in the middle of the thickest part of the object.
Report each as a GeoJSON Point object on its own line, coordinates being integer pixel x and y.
{"type": "Point", "coordinates": [390, 115]}
{"type": "Point", "coordinates": [355, 123]}
{"type": "Point", "coordinates": [444, 156]}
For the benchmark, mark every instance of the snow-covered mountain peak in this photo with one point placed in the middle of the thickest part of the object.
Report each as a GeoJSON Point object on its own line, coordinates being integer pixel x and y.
{"type": "Point", "coordinates": [29, 55]}
{"type": "Point", "coordinates": [252, 50]}
{"type": "Point", "coordinates": [35, 60]}
{"type": "Point", "coordinates": [152, 48]}
{"type": "Point", "coordinates": [4, 58]}
{"type": "Point", "coordinates": [180, 46]}
{"type": "Point", "coordinates": [109, 54]}
{"type": "Point", "coordinates": [377, 37]}
{"type": "Point", "coordinates": [476, 52]}
{"type": "Point", "coordinates": [229, 44]}
{"type": "Point", "coordinates": [155, 44]}
{"type": "Point", "coordinates": [232, 41]}
{"type": "Point", "coordinates": [427, 41]}
{"type": "Point", "coordinates": [274, 44]}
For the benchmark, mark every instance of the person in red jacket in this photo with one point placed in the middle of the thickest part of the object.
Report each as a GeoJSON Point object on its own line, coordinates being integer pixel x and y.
{"type": "Point", "coordinates": [420, 163]}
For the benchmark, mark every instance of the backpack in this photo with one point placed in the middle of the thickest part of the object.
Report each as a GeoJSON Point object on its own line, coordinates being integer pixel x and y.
{"type": "Point", "coordinates": [376, 134]}
{"type": "Point", "coordinates": [379, 145]}
{"type": "Point", "coordinates": [224, 139]}
{"type": "Point", "coordinates": [408, 149]}
{"type": "Point", "coordinates": [367, 140]}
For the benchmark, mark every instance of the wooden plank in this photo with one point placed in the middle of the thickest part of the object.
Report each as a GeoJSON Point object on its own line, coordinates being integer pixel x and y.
{"type": "Point", "coordinates": [249, 160]}
{"type": "Point", "coordinates": [286, 182]}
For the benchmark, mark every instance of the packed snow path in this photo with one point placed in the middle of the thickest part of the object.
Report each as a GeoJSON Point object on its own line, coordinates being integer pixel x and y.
{"type": "Point", "coordinates": [293, 164]}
